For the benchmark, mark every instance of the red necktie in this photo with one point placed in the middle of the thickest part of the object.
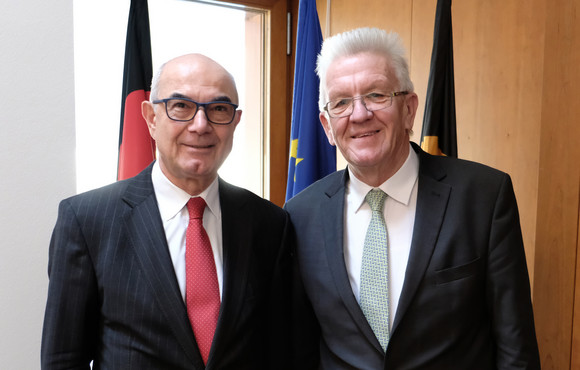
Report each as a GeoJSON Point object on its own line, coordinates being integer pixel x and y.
{"type": "Point", "coordinates": [202, 296]}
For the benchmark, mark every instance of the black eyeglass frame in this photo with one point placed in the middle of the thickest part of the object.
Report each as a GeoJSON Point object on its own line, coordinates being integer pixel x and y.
{"type": "Point", "coordinates": [391, 96]}
{"type": "Point", "coordinates": [197, 105]}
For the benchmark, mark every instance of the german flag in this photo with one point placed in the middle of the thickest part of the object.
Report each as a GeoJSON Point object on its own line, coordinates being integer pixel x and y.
{"type": "Point", "coordinates": [136, 147]}
{"type": "Point", "coordinates": [439, 135]}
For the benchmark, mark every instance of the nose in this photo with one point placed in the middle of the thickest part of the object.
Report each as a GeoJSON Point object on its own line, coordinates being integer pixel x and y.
{"type": "Point", "coordinates": [199, 123]}
{"type": "Point", "coordinates": [359, 110]}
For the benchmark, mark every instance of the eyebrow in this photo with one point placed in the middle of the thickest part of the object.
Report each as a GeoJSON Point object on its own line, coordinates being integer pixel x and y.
{"type": "Point", "coordinates": [224, 98]}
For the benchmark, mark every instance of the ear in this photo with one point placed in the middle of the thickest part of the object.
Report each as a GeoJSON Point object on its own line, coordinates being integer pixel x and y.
{"type": "Point", "coordinates": [148, 113]}
{"type": "Point", "coordinates": [411, 103]}
{"type": "Point", "coordinates": [327, 128]}
{"type": "Point", "coordinates": [237, 118]}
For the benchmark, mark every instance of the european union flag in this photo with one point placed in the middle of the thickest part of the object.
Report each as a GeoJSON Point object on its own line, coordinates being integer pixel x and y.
{"type": "Point", "coordinates": [311, 156]}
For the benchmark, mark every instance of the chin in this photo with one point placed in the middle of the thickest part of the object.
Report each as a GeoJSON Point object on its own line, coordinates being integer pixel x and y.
{"type": "Point", "coordinates": [193, 168]}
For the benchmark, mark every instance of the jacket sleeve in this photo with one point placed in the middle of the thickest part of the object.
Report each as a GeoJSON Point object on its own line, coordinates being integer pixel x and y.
{"type": "Point", "coordinates": [70, 321]}
{"type": "Point", "coordinates": [508, 287]}
{"type": "Point", "coordinates": [305, 329]}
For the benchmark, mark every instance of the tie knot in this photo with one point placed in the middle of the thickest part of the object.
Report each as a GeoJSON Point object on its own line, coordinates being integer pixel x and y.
{"type": "Point", "coordinates": [196, 206]}
{"type": "Point", "coordinates": [376, 199]}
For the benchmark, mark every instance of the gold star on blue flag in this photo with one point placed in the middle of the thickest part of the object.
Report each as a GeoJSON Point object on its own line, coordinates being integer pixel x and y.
{"type": "Point", "coordinates": [311, 156]}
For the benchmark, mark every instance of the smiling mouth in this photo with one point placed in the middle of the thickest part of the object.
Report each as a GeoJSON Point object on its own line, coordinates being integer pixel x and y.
{"type": "Point", "coordinates": [208, 146]}
{"type": "Point", "coordinates": [366, 134]}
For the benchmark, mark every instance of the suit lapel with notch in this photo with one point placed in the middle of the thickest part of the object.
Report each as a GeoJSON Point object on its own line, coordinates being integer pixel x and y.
{"type": "Point", "coordinates": [146, 235]}
{"type": "Point", "coordinates": [432, 199]}
{"type": "Point", "coordinates": [332, 213]}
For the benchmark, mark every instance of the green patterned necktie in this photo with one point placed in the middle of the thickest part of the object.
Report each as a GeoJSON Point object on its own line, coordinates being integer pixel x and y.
{"type": "Point", "coordinates": [374, 277]}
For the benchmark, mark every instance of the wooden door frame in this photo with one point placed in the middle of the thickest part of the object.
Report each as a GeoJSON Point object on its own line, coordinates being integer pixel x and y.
{"type": "Point", "coordinates": [280, 92]}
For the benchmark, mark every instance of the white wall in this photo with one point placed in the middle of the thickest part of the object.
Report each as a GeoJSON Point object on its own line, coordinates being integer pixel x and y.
{"type": "Point", "coordinates": [37, 163]}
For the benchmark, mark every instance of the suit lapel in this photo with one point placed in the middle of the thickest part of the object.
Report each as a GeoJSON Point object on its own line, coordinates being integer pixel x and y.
{"type": "Point", "coordinates": [432, 198]}
{"type": "Point", "coordinates": [147, 236]}
{"type": "Point", "coordinates": [236, 264]}
{"type": "Point", "coordinates": [333, 223]}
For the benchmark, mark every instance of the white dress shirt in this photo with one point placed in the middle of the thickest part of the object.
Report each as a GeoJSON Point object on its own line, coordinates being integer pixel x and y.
{"type": "Point", "coordinates": [399, 212]}
{"type": "Point", "coordinates": [172, 203]}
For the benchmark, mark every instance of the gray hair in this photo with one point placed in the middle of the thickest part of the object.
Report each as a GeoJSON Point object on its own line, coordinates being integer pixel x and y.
{"type": "Point", "coordinates": [362, 40]}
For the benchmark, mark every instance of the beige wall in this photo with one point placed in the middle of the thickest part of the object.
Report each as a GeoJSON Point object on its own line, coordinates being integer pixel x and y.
{"type": "Point", "coordinates": [37, 166]}
{"type": "Point", "coordinates": [516, 84]}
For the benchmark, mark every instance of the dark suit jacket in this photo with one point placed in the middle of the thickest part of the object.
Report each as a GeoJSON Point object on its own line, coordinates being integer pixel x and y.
{"type": "Point", "coordinates": [114, 298]}
{"type": "Point", "coordinates": [465, 302]}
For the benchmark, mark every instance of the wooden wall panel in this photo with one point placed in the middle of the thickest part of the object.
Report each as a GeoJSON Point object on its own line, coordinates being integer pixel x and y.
{"type": "Point", "coordinates": [499, 49]}
{"type": "Point", "coordinates": [387, 14]}
{"type": "Point", "coordinates": [423, 21]}
{"type": "Point", "coordinates": [559, 186]}
{"type": "Point", "coordinates": [576, 316]}
{"type": "Point", "coordinates": [575, 363]}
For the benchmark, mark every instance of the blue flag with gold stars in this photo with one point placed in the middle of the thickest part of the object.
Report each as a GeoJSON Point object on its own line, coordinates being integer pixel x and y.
{"type": "Point", "coordinates": [311, 156]}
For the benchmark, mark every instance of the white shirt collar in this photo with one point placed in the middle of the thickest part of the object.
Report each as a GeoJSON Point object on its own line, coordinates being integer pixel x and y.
{"type": "Point", "coordinates": [172, 199]}
{"type": "Point", "coordinates": [399, 187]}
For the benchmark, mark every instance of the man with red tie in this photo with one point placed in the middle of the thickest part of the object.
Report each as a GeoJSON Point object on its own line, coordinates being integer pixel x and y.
{"type": "Point", "coordinates": [174, 268]}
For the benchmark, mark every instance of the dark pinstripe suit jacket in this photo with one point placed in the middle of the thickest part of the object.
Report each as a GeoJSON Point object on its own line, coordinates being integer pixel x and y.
{"type": "Point", "coordinates": [114, 299]}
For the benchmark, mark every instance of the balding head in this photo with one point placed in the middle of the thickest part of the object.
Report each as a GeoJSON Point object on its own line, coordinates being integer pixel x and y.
{"type": "Point", "coordinates": [191, 150]}
{"type": "Point", "coordinates": [197, 65]}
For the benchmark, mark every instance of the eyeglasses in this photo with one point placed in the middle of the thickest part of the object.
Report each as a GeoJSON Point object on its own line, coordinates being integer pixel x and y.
{"type": "Point", "coordinates": [372, 102]}
{"type": "Point", "coordinates": [183, 109]}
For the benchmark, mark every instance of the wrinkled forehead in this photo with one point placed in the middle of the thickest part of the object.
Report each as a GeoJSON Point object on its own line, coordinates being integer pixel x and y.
{"type": "Point", "coordinates": [360, 69]}
{"type": "Point", "coordinates": [363, 61]}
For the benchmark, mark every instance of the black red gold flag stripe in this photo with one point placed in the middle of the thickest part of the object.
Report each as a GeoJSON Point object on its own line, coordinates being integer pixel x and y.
{"type": "Point", "coordinates": [439, 135]}
{"type": "Point", "coordinates": [136, 147]}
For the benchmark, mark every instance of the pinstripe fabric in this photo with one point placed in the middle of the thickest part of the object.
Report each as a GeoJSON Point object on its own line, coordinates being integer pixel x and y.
{"type": "Point", "coordinates": [114, 298]}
